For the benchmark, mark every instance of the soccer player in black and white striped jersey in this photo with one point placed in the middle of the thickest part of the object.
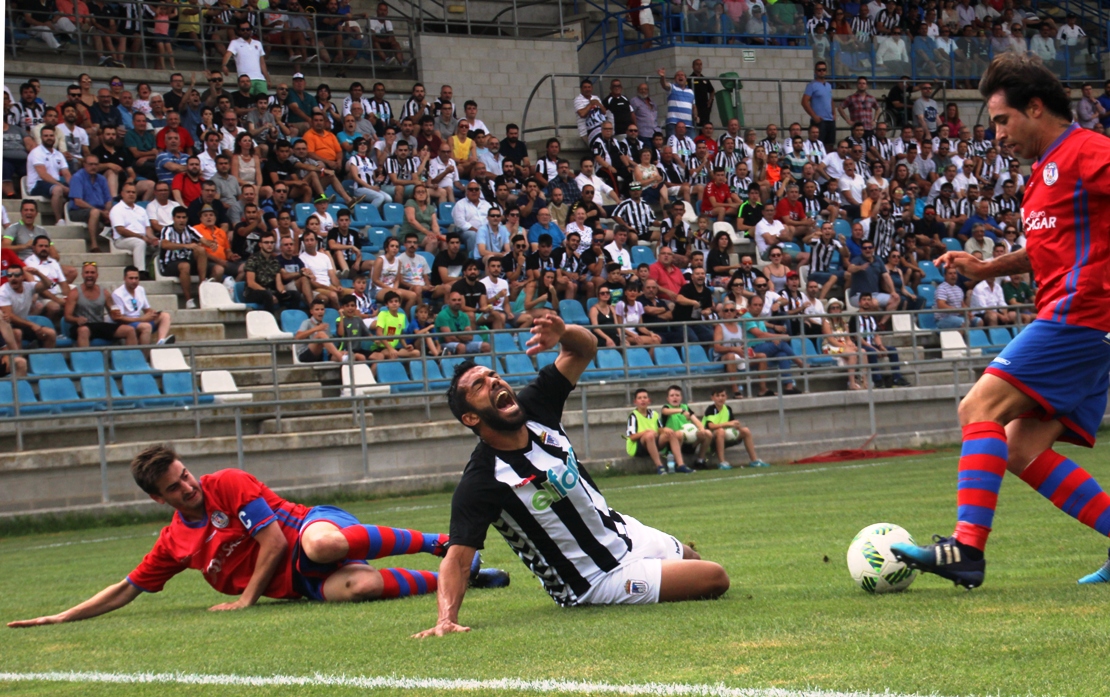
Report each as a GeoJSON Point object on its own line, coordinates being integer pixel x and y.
{"type": "Point", "coordinates": [524, 478]}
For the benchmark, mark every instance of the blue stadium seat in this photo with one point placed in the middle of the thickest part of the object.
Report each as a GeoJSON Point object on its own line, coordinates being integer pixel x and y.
{"type": "Point", "coordinates": [571, 311]}
{"type": "Point", "coordinates": [87, 362]}
{"type": "Point", "coordinates": [640, 363]}
{"type": "Point", "coordinates": [928, 293]}
{"type": "Point", "coordinates": [48, 364]}
{"type": "Point", "coordinates": [93, 342]}
{"type": "Point", "coordinates": [445, 211]}
{"type": "Point", "coordinates": [699, 360]}
{"type": "Point", "coordinates": [93, 388]}
{"type": "Point", "coordinates": [998, 337]}
{"type": "Point", "coordinates": [590, 302]}
{"type": "Point", "coordinates": [642, 254]}
{"type": "Point", "coordinates": [376, 239]}
{"type": "Point", "coordinates": [506, 343]}
{"type": "Point", "coordinates": [952, 244]}
{"type": "Point", "coordinates": [932, 275]}
{"type": "Point", "coordinates": [181, 383]}
{"type": "Point", "coordinates": [927, 321]}
{"type": "Point", "coordinates": [347, 283]}
{"type": "Point", "coordinates": [518, 368]}
{"type": "Point", "coordinates": [547, 358]}
{"type": "Point", "coordinates": [28, 403]}
{"type": "Point", "coordinates": [448, 364]}
{"type": "Point", "coordinates": [393, 373]}
{"type": "Point", "coordinates": [240, 289]}
{"type": "Point", "coordinates": [393, 214]}
{"type": "Point", "coordinates": [301, 211]}
{"type": "Point", "coordinates": [129, 361]}
{"type": "Point", "coordinates": [427, 256]}
{"type": "Point", "coordinates": [291, 320]}
{"type": "Point", "coordinates": [435, 376]}
{"type": "Point", "coordinates": [63, 395]}
{"type": "Point", "coordinates": [367, 215]}
{"type": "Point", "coordinates": [814, 356]}
{"type": "Point", "coordinates": [334, 208]}
{"type": "Point", "coordinates": [610, 366]}
{"type": "Point", "coordinates": [667, 356]}
{"type": "Point", "coordinates": [142, 388]}
{"type": "Point", "coordinates": [62, 341]}
{"type": "Point", "coordinates": [790, 248]}
{"type": "Point", "coordinates": [330, 316]}
{"type": "Point", "coordinates": [977, 338]}
{"type": "Point", "coordinates": [843, 227]}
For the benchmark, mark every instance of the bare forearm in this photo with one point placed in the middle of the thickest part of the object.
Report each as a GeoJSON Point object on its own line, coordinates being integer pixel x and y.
{"type": "Point", "coordinates": [1009, 264]}
{"type": "Point", "coordinates": [454, 574]}
{"type": "Point", "coordinates": [269, 557]}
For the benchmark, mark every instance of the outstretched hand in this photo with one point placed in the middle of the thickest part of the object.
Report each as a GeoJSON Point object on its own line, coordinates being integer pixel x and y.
{"type": "Point", "coordinates": [442, 629]}
{"type": "Point", "coordinates": [37, 622]}
{"type": "Point", "coordinates": [965, 263]}
{"type": "Point", "coordinates": [235, 605]}
{"type": "Point", "coordinates": [547, 330]}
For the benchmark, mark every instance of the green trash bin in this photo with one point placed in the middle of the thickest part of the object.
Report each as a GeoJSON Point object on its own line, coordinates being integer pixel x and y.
{"type": "Point", "coordinates": [727, 95]}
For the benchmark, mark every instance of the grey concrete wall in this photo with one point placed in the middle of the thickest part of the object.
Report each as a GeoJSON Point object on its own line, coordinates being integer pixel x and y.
{"type": "Point", "coordinates": [761, 101]}
{"type": "Point", "coordinates": [497, 73]}
{"type": "Point", "coordinates": [414, 457]}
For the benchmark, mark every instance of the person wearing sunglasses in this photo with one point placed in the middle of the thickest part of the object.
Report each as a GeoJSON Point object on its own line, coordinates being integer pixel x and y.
{"type": "Point", "coordinates": [250, 58]}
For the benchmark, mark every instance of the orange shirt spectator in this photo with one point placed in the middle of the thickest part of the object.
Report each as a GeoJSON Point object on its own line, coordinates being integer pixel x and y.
{"type": "Point", "coordinates": [222, 252]}
{"type": "Point", "coordinates": [323, 146]}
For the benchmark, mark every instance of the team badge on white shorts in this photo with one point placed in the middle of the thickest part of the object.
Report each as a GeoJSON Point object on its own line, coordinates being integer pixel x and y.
{"type": "Point", "coordinates": [634, 587]}
{"type": "Point", "coordinates": [219, 519]}
{"type": "Point", "coordinates": [1051, 174]}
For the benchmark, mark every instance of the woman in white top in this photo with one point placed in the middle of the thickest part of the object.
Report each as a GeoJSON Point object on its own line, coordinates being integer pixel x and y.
{"type": "Point", "coordinates": [837, 342]}
{"type": "Point", "coordinates": [361, 169]}
{"type": "Point", "coordinates": [578, 224]}
{"type": "Point", "coordinates": [245, 166]}
{"type": "Point", "coordinates": [631, 311]}
{"type": "Point", "coordinates": [649, 177]}
{"type": "Point", "coordinates": [386, 275]}
{"type": "Point", "coordinates": [729, 345]}
{"type": "Point", "coordinates": [877, 171]}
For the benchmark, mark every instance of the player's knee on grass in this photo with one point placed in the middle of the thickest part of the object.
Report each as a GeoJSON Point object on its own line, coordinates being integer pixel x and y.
{"type": "Point", "coordinates": [324, 544]}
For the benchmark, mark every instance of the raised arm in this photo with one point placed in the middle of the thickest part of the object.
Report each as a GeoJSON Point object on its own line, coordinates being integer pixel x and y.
{"type": "Point", "coordinates": [577, 346]}
{"type": "Point", "coordinates": [111, 598]}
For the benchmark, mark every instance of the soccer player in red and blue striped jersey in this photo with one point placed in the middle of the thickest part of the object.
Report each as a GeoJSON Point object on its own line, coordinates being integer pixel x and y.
{"type": "Point", "coordinates": [1050, 383]}
{"type": "Point", "coordinates": [248, 541]}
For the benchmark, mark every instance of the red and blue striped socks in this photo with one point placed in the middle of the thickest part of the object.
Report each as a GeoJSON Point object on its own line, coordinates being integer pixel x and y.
{"type": "Point", "coordinates": [401, 583]}
{"type": "Point", "coordinates": [982, 465]}
{"type": "Point", "coordinates": [375, 541]}
{"type": "Point", "coordinates": [1070, 488]}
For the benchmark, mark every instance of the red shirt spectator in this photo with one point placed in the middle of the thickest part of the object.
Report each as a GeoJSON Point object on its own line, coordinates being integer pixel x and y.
{"type": "Point", "coordinates": [190, 189]}
{"type": "Point", "coordinates": [669, 279]}
{"type": "Point", "coordinates": [790, 210]}
{"type": "Point", "coordinates": [715, 193]}
{"type": "Point", "coordinates": [186, 139]}
{"type": "Point", "coordinates": [710, 144]}
{"type": "Point", "coordinates": [9, 258]}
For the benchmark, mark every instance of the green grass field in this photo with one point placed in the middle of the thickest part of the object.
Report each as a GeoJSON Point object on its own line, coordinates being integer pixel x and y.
{"type": "Point", "coordinates": [793, 619]}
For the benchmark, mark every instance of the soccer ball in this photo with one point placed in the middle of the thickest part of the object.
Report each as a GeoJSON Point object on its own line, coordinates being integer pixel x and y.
{"type": "Point", "coordinates": [690, 433]}
{"type": "Point", "coordinates": [732, 433]}
{"type": "Point", "coordinates": [871, 563]}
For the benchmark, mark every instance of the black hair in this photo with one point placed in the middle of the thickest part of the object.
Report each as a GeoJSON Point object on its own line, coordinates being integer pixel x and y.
{"type": "Point", "coordinates": [456, 399]}
{"type": "Point", "coordinates": [390, 296]}
{"type": "Point", "coordinates": [1023, 78]}
{"type": "Point", "coordinates": [347, 300]}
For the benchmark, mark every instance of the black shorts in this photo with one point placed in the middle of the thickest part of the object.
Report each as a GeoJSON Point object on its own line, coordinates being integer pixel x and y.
{"type": "Point", "coordinates": [170, 268]}
{"type": "Point", "coordinates": [97, 330]}
{"type": "Point", "coordinates": [307, 356]}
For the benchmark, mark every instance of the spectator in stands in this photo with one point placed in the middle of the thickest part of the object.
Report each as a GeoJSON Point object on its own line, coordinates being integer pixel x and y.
{"type": "Point", "coordinates": [771, 342]}
{"type": "Point", "coordinates": [294, 275]}
{"type": "Point", "coordinates": [1089, 111]}
{"type": "Point", "coordinates": [680, 101]}
{"type": "Point", "coordinates": [453, 323]}
{"type": "Point", "coordinates": [57, 278]}
{"type": "Point", "coordinates": [647, 437]}
{"type": "Point", "coordinates": [447, 269]}
{"type": "Point", "coordinates": [85, 311]}
{"type": "Point", "coordinates": [47, 173]}
{"type": "Point", "coordinates": [314, 327]}
{"type": "Point", "coordinates": [90, 199]}
{"type": "Point", "coordinates": [493, 237]}
{"type": "Point", "coordinates": [988, 293]}
{"type": "Point", "coordinates": [1016, 291]}
{"type": "Point", "coordinates": [187, 184]}
{"type": "Point", "coordinates": [208, 199]}
{"type": "Point", "coordinates": [131, 227]}
{"type": "Point", "coordinates": [870, 276]}
{"type": "Point", "coordinates": [469, 215]}
{"type": "Point", "coordinates": [694, 303]}
{"type": "Point", "coordinates": [950, 297]}
{"type": "Point", "coordinates": [817, 102]}
{"type": "Point", "coordinates": [729, 343]}
{"type": "Point", "coordinates": [182, 253]}
{"type": "Point", "coordinates": [415, 273]}
{"type": "Point", "coordinates": [867, 328]}
{"type": "Point", "coordinates": [19, 300]}
{"type": "Point", "coordinates": [324, 281]}
{"type": "Point", "coordinates": [172, 162]}
{"type": "Point", "coordinates": [342, 245]}
{"type": "Point", "coordinates": [721, 424]}
{"type": "Point", "coordinates": [131, 307]}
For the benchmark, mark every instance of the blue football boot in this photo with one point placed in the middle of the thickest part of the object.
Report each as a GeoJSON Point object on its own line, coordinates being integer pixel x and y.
{"type": "Point", "coordinates": [1100, 576]}
{"type": "Point", "coordinates": [947, 558]}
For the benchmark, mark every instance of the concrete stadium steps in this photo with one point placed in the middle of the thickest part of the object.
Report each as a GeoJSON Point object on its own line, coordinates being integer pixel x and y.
{"type": "Point", "coordinates": [310, 424]}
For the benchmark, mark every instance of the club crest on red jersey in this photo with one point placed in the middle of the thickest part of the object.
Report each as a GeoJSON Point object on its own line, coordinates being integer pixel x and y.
{"type": "Point", "coordinates": [1051, 174]}
{"type": "Point", "coordinates": [219, 519]}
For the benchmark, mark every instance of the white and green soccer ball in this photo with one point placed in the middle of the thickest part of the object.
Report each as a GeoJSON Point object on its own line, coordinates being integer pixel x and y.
{"type": "Point", "coordinates": [732, 434]}
{"type": "Point", "coordinates": [690, 433]}
{"type": "Point", "coordinates": [871, 563]}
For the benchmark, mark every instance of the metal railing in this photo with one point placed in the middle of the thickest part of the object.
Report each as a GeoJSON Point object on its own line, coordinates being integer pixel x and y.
{"type": "Point", "coordinates": [132, 38]}
{"type": "Point", "coordinates": [437, 17]}
{"type": "Point", "coordinates": [563, 117]}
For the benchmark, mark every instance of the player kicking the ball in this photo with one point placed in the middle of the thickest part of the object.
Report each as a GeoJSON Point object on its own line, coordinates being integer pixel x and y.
{"type": "Point", "coordinates": [525, 480]}
{"type": "Point", "coordinates": [1050, 382]}
{"type": "Point", "coordinates": [247, 541]}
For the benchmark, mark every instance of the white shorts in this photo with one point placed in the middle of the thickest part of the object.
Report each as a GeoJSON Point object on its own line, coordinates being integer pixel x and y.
{"type": "Point", "coordinates": [646, 17]}
{"type": "Point", "coordinates": [636, 580]}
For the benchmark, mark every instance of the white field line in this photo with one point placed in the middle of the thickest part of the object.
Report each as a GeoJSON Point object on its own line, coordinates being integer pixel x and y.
{"type": "Point", "coordinates": [439, 684]}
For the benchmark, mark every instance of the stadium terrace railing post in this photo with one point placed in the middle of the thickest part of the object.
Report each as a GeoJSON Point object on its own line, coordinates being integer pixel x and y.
{"type": "Point", "coordinates": [424, 370]}
{"type": "Point", "coordinates": [239, 437]}
{"type": "Point", "coordinates": [196, 398]}
{"type": "Point", "coordinates": [349, 366]}
{"type": "Point", "coordinates": [585, 424]}
{"type": "Point", "coordinates": [782, 111]}
{"type": "Point", "coordinates": [203, 42]}
{"type": "Point", "coordinates": [103, 451]}
{"type": "Point", "coordinates": [871, 407]}
{"type": "Point", "coordinates": [15, 403]}
{"type": "Point", "coordinates": [782, 408]}
{"type": "Point", "coordinates": [109, 383]}
{"type": "Point", "coordinates": [516, 23]}
{"type": "Point", "coordinates": [562, 27]}
{"type": "Point", "coordinates": [554, 106]}
{"type": "Point", "coordinates": [956, 383]}
{"type": "Point", "coordinates": [362, 434]}
{"type": "Point", "coordinates": [80, 41]}
{"type": "Point", "coordinates": [277, 386]}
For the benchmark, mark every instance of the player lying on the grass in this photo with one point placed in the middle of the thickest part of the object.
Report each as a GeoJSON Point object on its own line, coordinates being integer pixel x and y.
{"type": "Point", "coordinates": [1050, 382]}
{"type": "Point", "coordinates": [524, 479]}
{"type": "Point", "coordinates": [718, 419]}
{"type": "Point", "coordinates": [248, 541]}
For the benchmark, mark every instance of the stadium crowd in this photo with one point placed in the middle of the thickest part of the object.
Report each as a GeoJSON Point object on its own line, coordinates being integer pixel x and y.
{"type": "Point", "coordinates": [421, 220]}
